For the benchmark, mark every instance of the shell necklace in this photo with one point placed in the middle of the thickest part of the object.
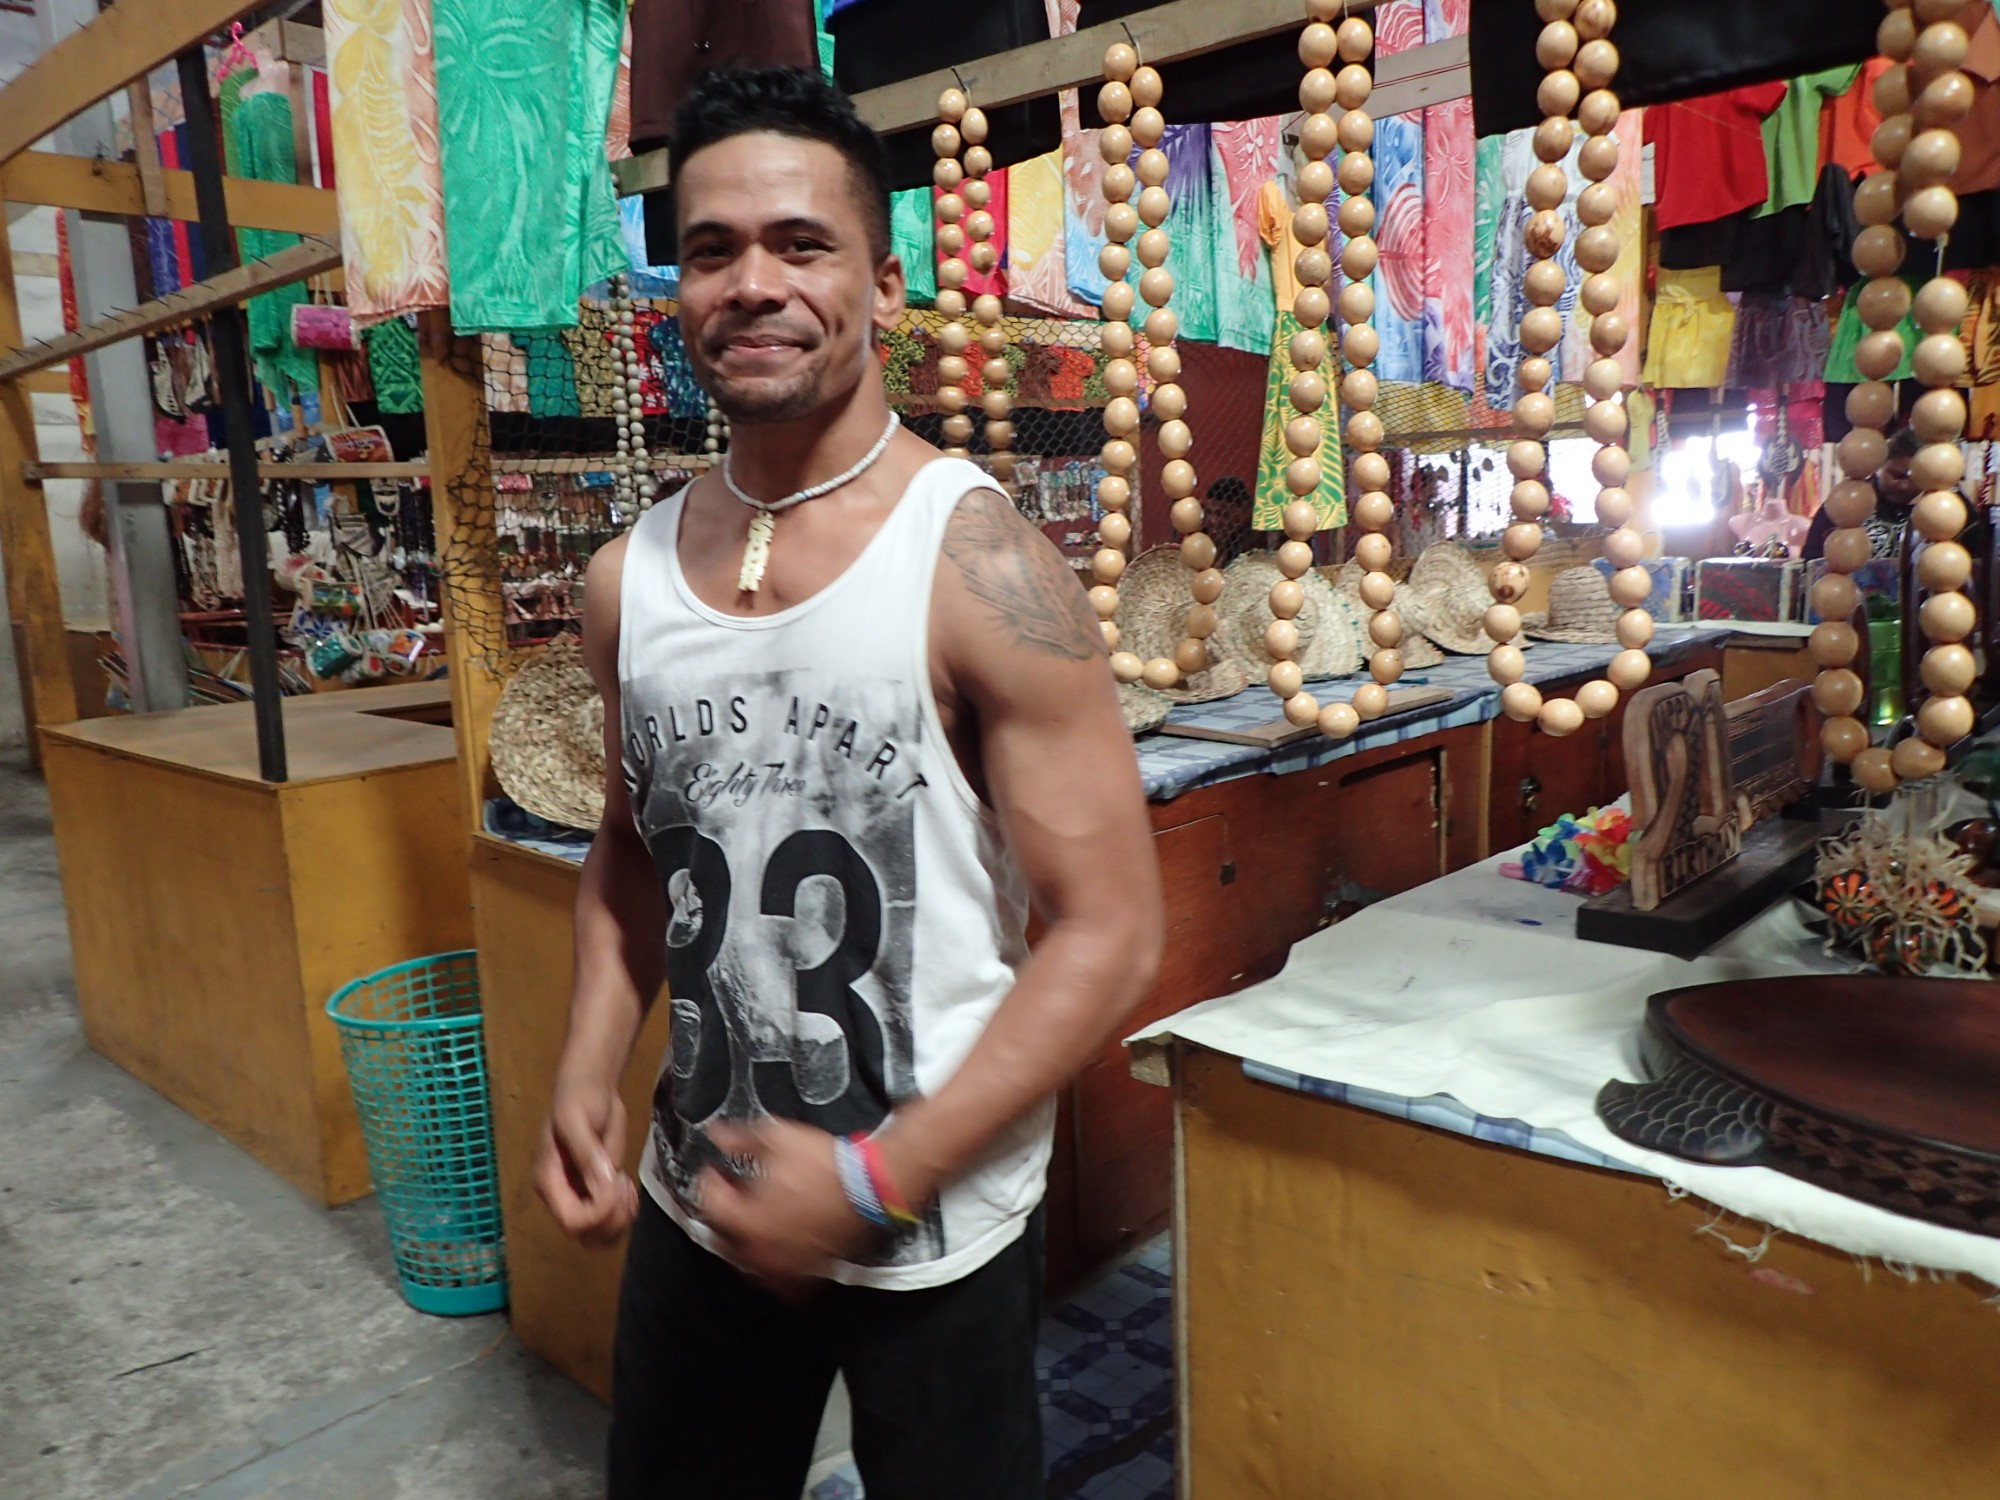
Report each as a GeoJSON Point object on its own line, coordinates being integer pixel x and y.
{"type": "Point", "coordinates": [757, 546]}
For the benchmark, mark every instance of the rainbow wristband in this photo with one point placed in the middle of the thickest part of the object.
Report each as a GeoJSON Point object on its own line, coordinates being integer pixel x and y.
{"type": "Point", "coordinates": [893, 1202]}
{"type": "Point", "coordinates": [857, 1183]}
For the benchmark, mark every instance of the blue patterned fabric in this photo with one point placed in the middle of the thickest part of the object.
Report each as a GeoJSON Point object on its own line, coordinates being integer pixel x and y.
{"type": "Point", "coordinates": [1442, 1112]}
{"type": "Point", "coordinates": [1170, 766]}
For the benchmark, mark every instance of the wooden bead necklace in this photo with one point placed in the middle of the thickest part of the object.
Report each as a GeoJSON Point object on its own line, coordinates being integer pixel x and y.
{"type": "Point", "coordinates": [963, 215]}
{"type": "Point", "coordinates": [1321, 135]}
{"type": "Point", "coordinates": [632, 479]}
{"type": "Point", "coordinates": [1580, 62]}
{"type": "Point", "coordinates": [1921, 97]}
{"type": "Point", "coordinates": [1129, 103]}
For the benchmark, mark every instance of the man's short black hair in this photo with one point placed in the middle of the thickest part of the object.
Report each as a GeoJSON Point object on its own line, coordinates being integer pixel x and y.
{"type": "Point", "coordinates": [798, 102]}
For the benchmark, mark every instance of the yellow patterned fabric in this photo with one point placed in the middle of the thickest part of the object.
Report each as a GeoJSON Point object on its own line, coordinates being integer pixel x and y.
{"type": "Point", "coordinates": [1693, 324]}
{"type": "Point", "coordinates": [1330, 499]}
{"type": "Point", "coordinates": [383, 87]}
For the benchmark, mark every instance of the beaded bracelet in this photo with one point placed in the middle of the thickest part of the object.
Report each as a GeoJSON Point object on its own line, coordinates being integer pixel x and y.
{"type": "Point", "coordinates": [893, 1203]}
{"type": "Point", "coordinates": [857, 1182]}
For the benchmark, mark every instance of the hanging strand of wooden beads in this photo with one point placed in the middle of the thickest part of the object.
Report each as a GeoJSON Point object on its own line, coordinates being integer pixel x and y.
{"type": "Point", "coordinates": [1132, 92]}
{"type": "Point", "coordinates": [632, 481]}
{"type": "Point", "coordinates": [1319, 134]}
{"type": "Point", "coordinates": [1921, 98]}
{"type": "Point", "coordinates": [1579, 63]}
{"type": "Point", "coordinates": [955, 338]}
{"type": "Point", "coordinates": [994, 373]}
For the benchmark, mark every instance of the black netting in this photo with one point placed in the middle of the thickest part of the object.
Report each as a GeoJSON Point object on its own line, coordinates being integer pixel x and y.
{"type": "Point", "coordinates": [552, 422]}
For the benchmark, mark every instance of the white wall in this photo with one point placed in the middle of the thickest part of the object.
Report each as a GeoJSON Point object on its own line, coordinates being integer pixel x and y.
{"type": "Point", "coordinates": [80, 562]}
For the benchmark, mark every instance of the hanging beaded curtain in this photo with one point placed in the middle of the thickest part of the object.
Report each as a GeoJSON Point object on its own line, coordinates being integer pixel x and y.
{"type": "Point", "coordinates": [963, 215]}
{"type": "Point", "coordinates": [1922, 96]}
{"type": "Point", "coordinates": [1129, 102]}
{"type": "Point", "coordinates": [1580, 62]}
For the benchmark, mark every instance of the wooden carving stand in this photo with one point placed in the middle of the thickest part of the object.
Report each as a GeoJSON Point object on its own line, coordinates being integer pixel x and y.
{"type": "Point", "coordinates": [1712, 856]}
{"type": "Point", "coordinates": [1773, 750]}
{"type": "Point", "coordinates": [1683, 794]}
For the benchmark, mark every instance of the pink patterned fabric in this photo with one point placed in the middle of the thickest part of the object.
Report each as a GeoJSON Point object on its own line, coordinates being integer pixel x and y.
{"type": "Point", "coordinates": [1448, 204]}
{"type": "Point", "coordinates": [1248, 149]}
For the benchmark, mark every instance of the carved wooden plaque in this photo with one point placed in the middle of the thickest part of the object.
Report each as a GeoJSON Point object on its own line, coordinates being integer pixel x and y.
{"type": "Point", "coordinates": [1773, 750]}
{"type": "Point", "coordinates": [1683, 795]}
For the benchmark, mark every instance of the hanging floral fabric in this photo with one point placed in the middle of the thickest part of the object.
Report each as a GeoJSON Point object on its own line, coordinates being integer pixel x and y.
{"type": "Point", "coordinates": [262, 130]}
{"type": "Point", "coordinates": [1083, 205]}
{"type": "Point", "coordinates": [1628, 270]}
{"type": "Point", "coordinates": [913, 236]}
{"type": "Point", "coordinates": [393, 367]}
{"type": "Point", "coordinates": [1274, 223]}
{"type": "Point", "coordinates": [382, 81]}
{"type": "Point", "coordinates": [1037, 233]}
{"type": "Point", "coordinates": [1243, 157]}
{"type": "Point", "coordinates": [1449, 205]}
{"type": "Point", "coordinates": [524, 98]}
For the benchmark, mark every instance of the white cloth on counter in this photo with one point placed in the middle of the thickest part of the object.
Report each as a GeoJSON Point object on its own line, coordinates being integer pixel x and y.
{"type": "Point", "coordinates": [1475, 987]}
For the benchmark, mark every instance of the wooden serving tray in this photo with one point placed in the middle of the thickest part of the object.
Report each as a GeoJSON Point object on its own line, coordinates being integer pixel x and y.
{"type": "Point", "coordinates": [1882, 1090]}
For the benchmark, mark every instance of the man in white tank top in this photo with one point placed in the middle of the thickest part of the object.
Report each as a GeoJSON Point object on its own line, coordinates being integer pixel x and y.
{"type": "Point", "coordinates": [858, 717]}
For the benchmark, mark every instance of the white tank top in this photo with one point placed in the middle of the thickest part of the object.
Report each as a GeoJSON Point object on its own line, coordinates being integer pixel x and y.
{"type": "Point", "coordinates": [844, 916]}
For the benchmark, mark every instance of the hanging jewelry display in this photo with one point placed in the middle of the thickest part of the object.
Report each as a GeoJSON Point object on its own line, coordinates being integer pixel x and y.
{"type": "Point", "coordinates": [958, 183]}
{"type": "Point", "coordinates": [1575, 49]}
{"type": "Point", "coordinates": [632, 479]}
{"type": "Point", "coordinates": [1321, 135]}
{"type": "Point", "coordinates": [1130, 104]}
{"type": "Point", "coordinates": [1921, 97]}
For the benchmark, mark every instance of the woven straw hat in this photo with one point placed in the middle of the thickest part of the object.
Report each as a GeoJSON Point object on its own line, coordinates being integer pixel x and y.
{"type": "Point", "coordinates": [1329, 645]}
{"type": "Point", "coordinates": [1581, 610]}
{"type": "Point", "coordinates": [1418, 652]}
{"type": "Point", "coordinates": [548, 738]}
{"type": "Point", "coordinates": [1153, 600]}
{"type": "Point", "coordinates": [1449, 598]}
{"type": "Point", "coordinates": [1145, 710]}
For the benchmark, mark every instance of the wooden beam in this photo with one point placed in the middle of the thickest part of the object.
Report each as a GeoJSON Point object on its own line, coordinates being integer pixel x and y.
{"type": "Point", "coordinates": [117, 187]}
{"type": "Point", "coordinates": [47, 383]}
{"type": "Point", "coordinates": [146, 148]}
{"type": "Point", "coordinates": [200, 468]}
{"type": "Point", "coordinates": [1167, 33]}
{"type": "Point", "coordinates": [292, 41]}
{"type": "Point", "coordinates": [124, 42]}
{"type": "Point", "coordinates": [232, 287]}
{"type": "Point", "coordinates": [27, 547]}
{"type": "Point", "coordinates": [468, 545]}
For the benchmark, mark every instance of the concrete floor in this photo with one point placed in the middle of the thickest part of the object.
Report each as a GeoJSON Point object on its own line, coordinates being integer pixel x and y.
{"type": "Point", "coordinates": [175, 1321]}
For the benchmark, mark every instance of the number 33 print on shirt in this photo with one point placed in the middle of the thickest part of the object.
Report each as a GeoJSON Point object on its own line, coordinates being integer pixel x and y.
{"type": "Point", "coordinates": [782, 827]}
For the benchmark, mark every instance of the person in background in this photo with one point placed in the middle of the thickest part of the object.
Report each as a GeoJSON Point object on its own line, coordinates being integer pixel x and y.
{"type": "Point", "coordinates": [1226, 510]}
{"type": "Point", "coordinates": [1895, 493]}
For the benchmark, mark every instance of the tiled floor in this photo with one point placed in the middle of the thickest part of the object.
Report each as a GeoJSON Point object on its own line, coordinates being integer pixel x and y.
{"type": "Point", "coordinates": [1106, 1373]}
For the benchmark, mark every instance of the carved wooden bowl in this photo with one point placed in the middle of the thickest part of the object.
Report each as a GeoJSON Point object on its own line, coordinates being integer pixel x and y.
{"type": "Point", "coordinates": [1883, 1090]}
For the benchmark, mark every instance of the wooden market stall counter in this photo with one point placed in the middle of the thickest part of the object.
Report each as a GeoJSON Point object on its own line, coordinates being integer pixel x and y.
{"type": "Point", "coordinates": [212, 913]}
{"type": "Point", "coordinates": [1257, 851]}
{"type": "Point", "coordinates": [1410, 1262]}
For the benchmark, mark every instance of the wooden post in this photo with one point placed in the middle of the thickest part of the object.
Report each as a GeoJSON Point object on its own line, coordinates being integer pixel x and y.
{"type": "Point", "coordinates": [232, 368]}
{"type": "Point", "coordinates": [34, 592]}
{"type": "Point", "coordinates": [468, 543]}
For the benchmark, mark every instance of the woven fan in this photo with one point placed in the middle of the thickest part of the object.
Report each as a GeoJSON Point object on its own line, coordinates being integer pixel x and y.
{"type": "Point", "coordinates": [1329, 643]}
{"type": "Point", "coordinates": [548, 738]}
{"type": "Point", "coordinates": [1153, 599]}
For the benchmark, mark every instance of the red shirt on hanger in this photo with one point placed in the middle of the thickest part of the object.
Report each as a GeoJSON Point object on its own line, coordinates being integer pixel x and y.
{"type": "Point", "coordinates": [1708, 154]}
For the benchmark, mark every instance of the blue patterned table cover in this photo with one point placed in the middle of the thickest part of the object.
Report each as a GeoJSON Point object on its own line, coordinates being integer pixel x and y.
{"type": "Point", "coordinates": [1170, 765]}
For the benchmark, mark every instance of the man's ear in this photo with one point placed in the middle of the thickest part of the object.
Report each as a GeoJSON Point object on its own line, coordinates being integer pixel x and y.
{"type": "Point", "coordinates": [892, 292]}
